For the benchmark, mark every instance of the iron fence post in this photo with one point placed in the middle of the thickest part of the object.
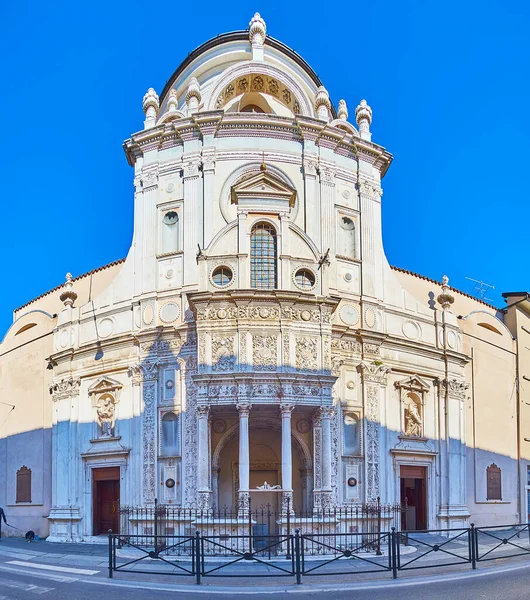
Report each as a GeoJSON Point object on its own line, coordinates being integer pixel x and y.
{"type": "Point", "coordinates": [156, 525]}
{"type": "Point", "coordinates": [198, 557]}
{"type": "Point", "coordinates": [472, 535]}
{"type": "Point", "coordinates": [378, 545]}
{"type": "Point", "coordinates": [288, 501]}
{"type": "Point", "coordinates": [110, 554]}
{"type": "Point", "coordinates": [297, 555]}
{"type": "Point", "coordinates": [394, 553]}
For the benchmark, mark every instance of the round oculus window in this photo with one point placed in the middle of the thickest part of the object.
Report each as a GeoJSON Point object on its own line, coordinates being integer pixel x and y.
{"type": "Point", "coordinates": [222, 276]}
{"type": "Point", "coordinates": [347, 223]}
{"type": "Point", "coordinates": [304, 279]}
{"type": "Point", "coordinates": [171, 217]}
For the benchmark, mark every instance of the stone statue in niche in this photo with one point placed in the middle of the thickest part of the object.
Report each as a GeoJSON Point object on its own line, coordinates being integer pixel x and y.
{"type": "Point", "coordinates": [413, 420]}
{"type": "Point", "coordinates": [106, 412]}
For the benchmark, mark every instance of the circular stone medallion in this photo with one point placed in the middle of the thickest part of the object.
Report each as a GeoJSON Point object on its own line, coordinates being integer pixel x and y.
{"type": "Point", "coordinates": [219, 426]}
{"type": "Point", "coordinates": [369, 318]}
{"type": "Point", "coordinates": [169, 312]}
{"type": "Point", "coordinates": [349, 314]}
{"type": "Point", "coordinates": [411, 330]}
{"type": "Point", "coordinates": [302, 426]}
{"type": "Point", "coordinates": [105, 327]}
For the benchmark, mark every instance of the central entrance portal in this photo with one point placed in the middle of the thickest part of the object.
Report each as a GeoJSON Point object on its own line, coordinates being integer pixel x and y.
{"type": "Point", "coordinates": [414, 492]}
{"type": "Point", "coordinates": [106, 500]}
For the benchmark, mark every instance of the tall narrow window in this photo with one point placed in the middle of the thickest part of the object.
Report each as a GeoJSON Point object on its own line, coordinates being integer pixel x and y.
{"type": "Point", "coordinates": [24, 484]}
{"type": "Point", "coordinates": [346, 245]}
{"type": "Point", "coordinates": [263, 254]}
{"type": "Point", "coordinates": [170, 232]}
{"type": "Point", "coordinates": [351, 435]}
{"type": "Point", "coordinates": [170, 436]}
{"type": "Point", "coordinates": [493, 483]}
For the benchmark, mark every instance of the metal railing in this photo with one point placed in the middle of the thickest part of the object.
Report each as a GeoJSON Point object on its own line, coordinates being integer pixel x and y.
{"type": "Point", "coordinates": [259, 523]}
{"type": "Point", "coordinates": [344, 553]}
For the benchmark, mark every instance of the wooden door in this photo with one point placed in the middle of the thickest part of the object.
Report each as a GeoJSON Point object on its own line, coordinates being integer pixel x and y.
{"type": "Point", "coordinates": [108, 505]}
{"type": "Point", "coordinates": [106, 500]}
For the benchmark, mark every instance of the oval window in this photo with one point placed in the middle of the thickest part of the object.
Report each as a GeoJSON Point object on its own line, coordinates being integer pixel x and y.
{"type": "Point", "coordinates": [304, 279]}
{"type": "Point", "coordinates": [222, 276]}
{"type": "Point", "coordinates": [347, 223]}
{"type": "Point", "coordinates": [171, 217]}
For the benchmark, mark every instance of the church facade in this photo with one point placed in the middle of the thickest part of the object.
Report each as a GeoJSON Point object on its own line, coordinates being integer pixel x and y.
{"type": "Point", "coordinates": [255, 345]}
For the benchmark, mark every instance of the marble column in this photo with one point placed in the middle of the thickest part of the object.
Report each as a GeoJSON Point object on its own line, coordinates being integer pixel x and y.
{"type": "Point", "coordinates": [244, 458]}
{"type": "Point", "coordinates": [287, 457]}
{"type": "Point", "coordinates": [203, 463]}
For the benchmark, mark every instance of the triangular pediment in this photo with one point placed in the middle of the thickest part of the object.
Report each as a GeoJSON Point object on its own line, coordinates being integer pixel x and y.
{"type": "Point", "coordinates": [413, 382]}
{"type": "Point", "coordinates": [104, 384]}
{"type": "Point", "coordinates": [264, 185]}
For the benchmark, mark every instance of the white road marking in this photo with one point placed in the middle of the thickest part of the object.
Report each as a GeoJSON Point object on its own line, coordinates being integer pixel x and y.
{"type": "Point", "coordinates": [60, 578]}
{"type": "Point", "coordinates": [27, 587]}
{"type": "Point", "coordinates": [72, 570]}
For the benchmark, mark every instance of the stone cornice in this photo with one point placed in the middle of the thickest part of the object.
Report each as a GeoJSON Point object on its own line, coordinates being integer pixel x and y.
{"type": "Point", "coordinates": [256, 125]}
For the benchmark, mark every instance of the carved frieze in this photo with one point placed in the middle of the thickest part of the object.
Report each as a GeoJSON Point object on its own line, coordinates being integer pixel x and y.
{"type": "Point", "coordinates": [65, 388]}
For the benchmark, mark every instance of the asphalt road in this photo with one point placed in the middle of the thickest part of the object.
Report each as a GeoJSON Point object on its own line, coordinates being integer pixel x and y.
{"type": "Point", "coordinates": [22, 584]}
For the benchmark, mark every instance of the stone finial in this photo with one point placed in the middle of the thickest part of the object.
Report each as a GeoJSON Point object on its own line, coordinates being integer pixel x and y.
{"type": "Point", "coordinates": [193, 96]}
{"type": "Point", "coordinates": [323, 104]}
{"type": "Point", "coordinates": [172, 103]}
{"type": "Point", "coordinates": [257, 30]}
{"type": "Point", "coordinates": [445, 298]}
{"type": "Point", "coordinates": [68, 297]}
{"type": "Point", "coordinates": [150, 104]}
{"type": "Point", "coordinates": [363, 116]}
{"type": "Point", "coordinates": [342, 111]}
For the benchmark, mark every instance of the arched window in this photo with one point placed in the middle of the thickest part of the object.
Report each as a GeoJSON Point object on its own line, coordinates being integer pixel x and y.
{"type": "Point", "coordinates": [170, 232]}
{"type": "Point", "coordinates": [24, 484]}
{"type": "Point", "coordinates": [253, 108]}
{"type": "Point", "coordinates": [351, 435]}
{"type": "Point", "coordinates": [346, 242]}
{"type": "Point", "coordinates": [170, 434]}
{"type": "Point", "coordinates": [263, 252]}
{"type": "Point", "coordinates": [493, 483]}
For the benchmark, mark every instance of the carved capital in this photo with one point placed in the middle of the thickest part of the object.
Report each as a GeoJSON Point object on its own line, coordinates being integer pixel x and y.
{"type": "Point", "coordinates": [243, 409]}
{"type": "Point", "coordinates": [286, 409]}
{"type": "Point", "coordinates": [327, 412]}
{"type": "Point", "coordinates": [203, 410]}
{"type": "Point", "coordinates": [192, 168]}
{"type": "Point", "coordinates": [454, 387]}
{"type": "Point", "coordinates": [374, 372]}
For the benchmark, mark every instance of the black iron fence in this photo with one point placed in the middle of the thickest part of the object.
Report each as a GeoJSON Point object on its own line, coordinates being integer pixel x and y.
{"type": "Point", "coordinates": [261, 524]}
{"type": "Point", "coordinates": [294, 554]}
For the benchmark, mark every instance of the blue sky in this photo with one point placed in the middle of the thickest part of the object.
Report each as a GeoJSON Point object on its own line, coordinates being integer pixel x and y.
{"type": "Point", "coordinates": [448, 84]}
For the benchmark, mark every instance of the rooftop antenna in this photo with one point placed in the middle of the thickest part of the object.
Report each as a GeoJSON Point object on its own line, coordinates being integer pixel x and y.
{"type": "Point", "coordinates": [481, 288]}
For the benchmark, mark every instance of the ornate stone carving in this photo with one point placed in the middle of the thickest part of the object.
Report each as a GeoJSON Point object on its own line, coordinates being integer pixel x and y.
{"type": "Point", "coordinates": [342, 111]}
{"type": "Point", "coordinates": [372, 442]}
{"type": "Point", "coordinates": [149, 440]}
{"type": "Point", "coordinates": [322, 104]}
{"type": "Point", "coordinates": [65, 388]}
{"type": "Point", "coordinates": [190, 433]}
{"type": "Point", "coordinates": [264, 352]}
{"type": "Point", "coordinates": [257, 30]}
{"type": "Point", "coordinates": [193, 95]}
{"type": "Point", "coordinates": [192, 168]}
{"type": "Point", "coordinates": [336, 364]}
{"type": "Point", "coordinates": [68, 297]}
{"type": "Point", "coordinates": [306, 354]}
{"type": "Point", "coordinates": [455, 388]}
{"type": "Point", "coordinates": [150, 105]}
{"type": "Point", "coordinates": [243, 502]}
{"type": "Point", "coordinates": [223, 354]}
{"type": "Point", "coordinates": [149, 178]}
{"type": "Point", "coordinates": [349, 346]}
{"type": "Point", "coordinates": [268, 486]}
{"type": "Point", "coordinates": [363, 116]}
{"type": "Point", "coordinates": [445, 299]}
